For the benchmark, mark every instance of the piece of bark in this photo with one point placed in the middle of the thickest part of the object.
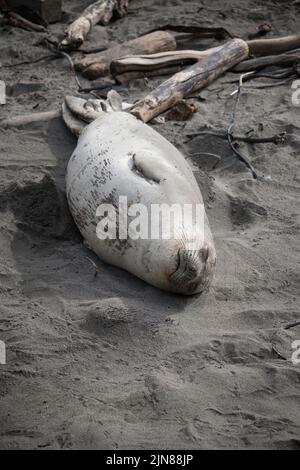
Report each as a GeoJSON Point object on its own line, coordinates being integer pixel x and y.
{"type": "Point", "coordinates": [182, 111]}
{"type": "Point", "coordinates": [99, 12]}
{"type": "Point", "coordinates": [262, 47]}
{"type": "Point", "coordinates": [191, 79]}
{"type": "Point", "coordinates": [265, 61]}
{"type": "Point", "coordinates": [97, 65]}
{"type": "Point", "coordinates": [261, 30]}
{"type": "Point", "coordinates": [24, 119]}
{"type": "Point", "coordinates": [128, 76]}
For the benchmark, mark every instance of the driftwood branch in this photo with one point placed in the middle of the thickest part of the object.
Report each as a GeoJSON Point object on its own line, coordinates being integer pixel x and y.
{"type": "Point", "coordinates": [191, 79]}
{"type": "Point", "coordinates": [148, 63]}
{"type": "Point", "coordinates": [261, 47]}
{"type": "Point", "coordinates": [156, 61]}
{"type": "Point", "coordinates": [260, 62]}
{"type": "Point", "coordinates": [24, 119]}
{"type": "Point", "coordinates": [97, 65]}
{"type": "Point", "coordinates": [218, 33]}
{"type": "Point", "coordinates": [17, 20]}
{"type": "Point", "coordinates": [99, 12]}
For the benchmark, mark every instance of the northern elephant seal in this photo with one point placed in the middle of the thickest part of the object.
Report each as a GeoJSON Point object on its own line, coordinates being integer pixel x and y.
{"type": "Point", "coordinates": [119, 157]}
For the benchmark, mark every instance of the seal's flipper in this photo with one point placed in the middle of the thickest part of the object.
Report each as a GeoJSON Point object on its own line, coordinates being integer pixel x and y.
{"type": "Point", "coordinates": [74, 124]}
{"type": "Point", "coordinates": [147, 165]}
{"type": "Point", "coordinates": [77, 112]}
{"type": "Point", "coordinates": [115, 101]}
{"type": "Point", "coordinates": [86, 110]}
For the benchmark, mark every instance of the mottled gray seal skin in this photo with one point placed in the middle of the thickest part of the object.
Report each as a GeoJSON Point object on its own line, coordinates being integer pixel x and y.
{"type": "Point", "coordinates": [118, 155]}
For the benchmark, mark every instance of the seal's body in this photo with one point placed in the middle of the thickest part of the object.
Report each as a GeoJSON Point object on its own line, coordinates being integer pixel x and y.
{"type": "Point", "coordinates": [119, 156]}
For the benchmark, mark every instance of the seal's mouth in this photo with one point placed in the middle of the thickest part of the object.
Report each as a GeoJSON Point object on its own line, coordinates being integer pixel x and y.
{"type": "Point", "coordinates": [194, 269]}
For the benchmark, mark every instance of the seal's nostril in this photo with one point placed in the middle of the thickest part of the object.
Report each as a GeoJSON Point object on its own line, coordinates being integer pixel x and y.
{"type": "Point", "coordinates": [205, 253]}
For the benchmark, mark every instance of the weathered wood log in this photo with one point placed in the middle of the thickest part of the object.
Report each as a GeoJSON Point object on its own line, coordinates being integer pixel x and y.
{"type": "Point", "coordinates": [99, 12]}
{"type": "Point", "coordinates": [97, 65]}
{"type": "Point", "coordinates": [261, 47]}
{"type": "Point", "coordinates": [265, 61]}
{"type": "Point", "coordinates": [191, 79]}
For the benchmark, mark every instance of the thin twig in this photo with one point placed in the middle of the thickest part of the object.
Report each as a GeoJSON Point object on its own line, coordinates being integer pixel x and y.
{"type": "Point", "coordinates": [292, 325]}
{"type": "Point", "coordinates": [222, 134]}
{"type": "Point", "coordinates": [68, 57]}
{"type": "Point", "coordinates": [280, 356]}
{"type": "Point", "coordinates": [94, 264]}
{"type": "Point", "coordinates": [57, 51]}
{"type": "Point", "coordinates": [230, 128]}
{"type": "Point", "coordinates": [29, 62]}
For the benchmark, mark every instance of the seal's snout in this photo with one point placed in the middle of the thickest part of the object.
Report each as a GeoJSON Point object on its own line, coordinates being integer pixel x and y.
{"type": "Point", "coordinates": [194, 270]}
{"type": "Point", "coordinates": [205, 252]}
